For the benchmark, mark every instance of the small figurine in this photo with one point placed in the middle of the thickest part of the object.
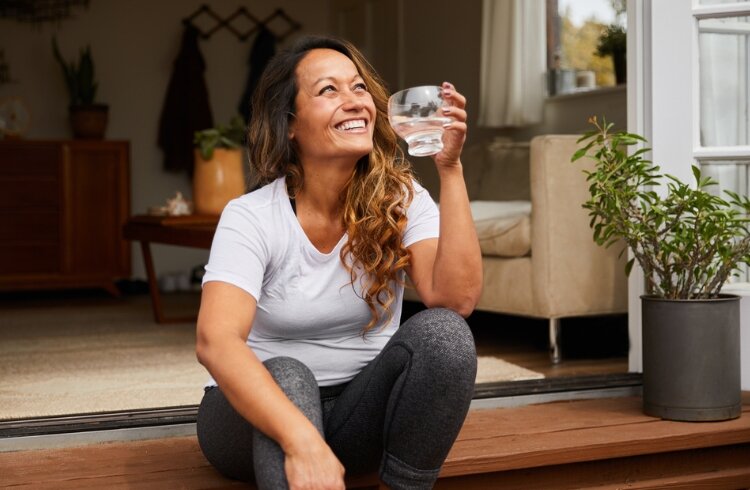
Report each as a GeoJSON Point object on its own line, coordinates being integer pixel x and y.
{"type": "Point", "coordinates": [176, 206]}
{"type": "Point", "coordinates": [179, 206]}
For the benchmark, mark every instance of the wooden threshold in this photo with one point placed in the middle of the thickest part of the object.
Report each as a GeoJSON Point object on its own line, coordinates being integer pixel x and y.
{"type": "Point", "coordinates": [599, 443]}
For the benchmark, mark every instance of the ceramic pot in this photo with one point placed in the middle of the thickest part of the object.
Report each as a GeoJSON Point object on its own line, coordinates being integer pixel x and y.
{"type": "Point", "coordinates": [217, 181]}
{"type": "Point", "coordinates": [89, 121]}
{"type": "Point", "coordinates": [691, 358]}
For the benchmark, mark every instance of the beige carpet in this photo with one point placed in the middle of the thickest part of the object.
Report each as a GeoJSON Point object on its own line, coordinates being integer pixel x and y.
{"type": "Point", "coordinates": [62, 360]}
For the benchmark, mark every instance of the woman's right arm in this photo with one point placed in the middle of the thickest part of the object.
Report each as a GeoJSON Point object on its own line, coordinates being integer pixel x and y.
{"type": "Point", "coordinates": [224, 322]}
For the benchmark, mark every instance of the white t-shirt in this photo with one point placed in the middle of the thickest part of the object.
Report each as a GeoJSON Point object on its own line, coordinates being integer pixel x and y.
{"type": "Point", "coordinates": [306, 307]}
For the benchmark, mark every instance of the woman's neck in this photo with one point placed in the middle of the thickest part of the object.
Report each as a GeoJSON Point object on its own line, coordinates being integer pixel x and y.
{"type": "Point", "coordinates": [323, 189]}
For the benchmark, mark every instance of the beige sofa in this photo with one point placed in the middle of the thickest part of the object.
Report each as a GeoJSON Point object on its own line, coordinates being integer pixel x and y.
{"type": "Point", "coordinates": [538, 253]}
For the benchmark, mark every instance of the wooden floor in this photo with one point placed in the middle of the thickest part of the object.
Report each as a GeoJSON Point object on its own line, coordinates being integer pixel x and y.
{"type": "Point", "coordinates": [584, 444]}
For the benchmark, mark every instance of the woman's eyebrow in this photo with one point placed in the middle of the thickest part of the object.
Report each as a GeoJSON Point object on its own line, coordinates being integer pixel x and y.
{"type": "Point", "coordinates": [334, 79]}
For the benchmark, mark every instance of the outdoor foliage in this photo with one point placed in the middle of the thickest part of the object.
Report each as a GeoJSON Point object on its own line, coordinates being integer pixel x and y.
{"type": "Point", "coordinates": [612, 40]}
{"type": "Point", "coordinates": [79, 77]}
{"type": "Point", "coordinates": [231, 136]}
{"type": "Point", "coordinates": [688, 241]}
{"type": "Point", "coordinates": [578, 45]}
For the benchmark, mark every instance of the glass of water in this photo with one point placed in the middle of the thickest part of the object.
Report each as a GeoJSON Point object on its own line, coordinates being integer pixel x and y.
{"type": "Point", "coordinates": [416, 115]}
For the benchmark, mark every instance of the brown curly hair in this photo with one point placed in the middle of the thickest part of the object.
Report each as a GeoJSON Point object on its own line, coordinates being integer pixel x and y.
{"type": "Point", "coordinates": [380, 188]}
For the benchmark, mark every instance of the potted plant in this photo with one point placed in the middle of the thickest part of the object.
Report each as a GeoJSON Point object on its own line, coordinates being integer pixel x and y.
{"type": "Point", "coordinates": [87, 118]}
{"type": "Point", "coordinates": [613, 42]}
{"type": "Point", "coordinates": [218, 175]}
{"type": "Point", "coordinates": [689, 242]}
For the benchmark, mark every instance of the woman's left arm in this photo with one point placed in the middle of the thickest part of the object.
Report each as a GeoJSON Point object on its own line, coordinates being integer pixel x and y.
{"type": "Point", "coordinates": [447, 271]}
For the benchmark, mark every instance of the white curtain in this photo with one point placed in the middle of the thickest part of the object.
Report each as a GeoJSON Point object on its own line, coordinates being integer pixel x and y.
{"type": "Point", "coordinates": [513, 63]}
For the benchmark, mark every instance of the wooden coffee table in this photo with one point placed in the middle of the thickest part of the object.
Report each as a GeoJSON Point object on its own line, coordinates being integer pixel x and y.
{"type": "Point", "coordinates": [187, 231]}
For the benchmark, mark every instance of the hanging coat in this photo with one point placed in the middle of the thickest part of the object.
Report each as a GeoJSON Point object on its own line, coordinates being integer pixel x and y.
{"type": "Point", "coordinates": [262, 51]}
{"type": "Point", "coordinates": [186, 106]}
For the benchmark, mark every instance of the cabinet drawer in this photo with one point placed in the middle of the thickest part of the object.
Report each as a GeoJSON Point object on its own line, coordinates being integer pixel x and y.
{"type": "Point", "coordinates": [22, 158]}
{"type": "Point", "coordinates": [34, 227]}
{"type": "Point", "coordinates": [29, 259]}
{"type": "Point", "coordinates": [26, 192]}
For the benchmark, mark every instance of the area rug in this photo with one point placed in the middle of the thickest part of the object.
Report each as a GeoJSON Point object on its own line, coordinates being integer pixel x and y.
{"type": "Point", "coordinates": [99, 358]}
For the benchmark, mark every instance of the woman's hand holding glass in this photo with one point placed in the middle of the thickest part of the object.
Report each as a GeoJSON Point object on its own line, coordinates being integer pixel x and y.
{"type": "Point", "coordinates": [431, 120]}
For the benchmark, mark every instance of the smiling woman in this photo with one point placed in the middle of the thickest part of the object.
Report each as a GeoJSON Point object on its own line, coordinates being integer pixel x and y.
{"type": "Point", "coordinates": [308, 271]}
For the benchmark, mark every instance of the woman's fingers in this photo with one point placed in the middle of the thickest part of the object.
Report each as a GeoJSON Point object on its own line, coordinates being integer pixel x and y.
{"type": "Point", "coordinates": [453, 97]}
{"type": "Point", "coordinates": [454, 113]}
{"type": "Point", "coordinates": [454, 134]}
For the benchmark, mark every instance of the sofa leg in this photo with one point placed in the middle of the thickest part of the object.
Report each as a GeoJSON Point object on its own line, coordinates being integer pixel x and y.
{"type": "Point", "coordinates": [554, 340]}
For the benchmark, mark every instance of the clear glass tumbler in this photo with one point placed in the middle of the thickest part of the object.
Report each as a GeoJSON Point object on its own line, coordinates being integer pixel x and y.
{"type": "Point", "coordinates": [416, 116]}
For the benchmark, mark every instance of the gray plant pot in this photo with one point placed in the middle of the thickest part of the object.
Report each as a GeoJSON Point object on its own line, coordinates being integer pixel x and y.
{"type": "Point", "coordinates": [691, 358]}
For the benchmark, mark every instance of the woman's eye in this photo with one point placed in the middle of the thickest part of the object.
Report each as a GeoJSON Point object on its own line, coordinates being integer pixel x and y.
{"type": "Point", "coordinates": [360, 87]}
{"type": "Point", "coordinates": [326, 89]}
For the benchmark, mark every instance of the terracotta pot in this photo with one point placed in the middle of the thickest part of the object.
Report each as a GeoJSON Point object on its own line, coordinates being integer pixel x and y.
{"type": "Point", "coordinates": [89, 121]}
{"type": "Point", "coordinates": [217, 181]}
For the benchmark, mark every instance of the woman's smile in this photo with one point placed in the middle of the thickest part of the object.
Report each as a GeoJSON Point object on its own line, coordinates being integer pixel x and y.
{"type": "Point", "coordinates": [352, 126]}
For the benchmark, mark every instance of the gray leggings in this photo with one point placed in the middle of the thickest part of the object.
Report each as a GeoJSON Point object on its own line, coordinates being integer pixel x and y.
{"type": "Point", "coordinates": [400, 414]}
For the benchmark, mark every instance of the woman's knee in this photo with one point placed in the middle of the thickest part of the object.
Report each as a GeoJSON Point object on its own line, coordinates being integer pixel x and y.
{"type": "Point", "coordinates": [298, 382]}
{"type": "Point", "coordinates": [289, 373]}
{"type": "Point", "coordinates": [443, 336]}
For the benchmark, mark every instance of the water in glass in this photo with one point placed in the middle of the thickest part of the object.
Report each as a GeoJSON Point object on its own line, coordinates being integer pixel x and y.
{"type": "Point", "coordinates": [416, 117]}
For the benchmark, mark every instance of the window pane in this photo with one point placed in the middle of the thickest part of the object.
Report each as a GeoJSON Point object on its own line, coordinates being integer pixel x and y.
{"type": "Point", "coordinates": [575, 30]}
{"type": "Point", "coordinates": [723, 65]}
{"type": "Point", "coordinates": [731, 176]}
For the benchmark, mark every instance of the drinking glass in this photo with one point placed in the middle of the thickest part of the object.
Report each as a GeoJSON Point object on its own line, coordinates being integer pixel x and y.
{"type": "Point", "coordinates": [416, 116]}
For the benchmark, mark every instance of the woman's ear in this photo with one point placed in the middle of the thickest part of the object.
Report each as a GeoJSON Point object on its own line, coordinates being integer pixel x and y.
{"type": "Point", "coordinates": [292, 121]}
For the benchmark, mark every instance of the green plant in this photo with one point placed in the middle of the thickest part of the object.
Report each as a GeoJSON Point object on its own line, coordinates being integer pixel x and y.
{"type": "Point", "coordinates": [688, 241]}
{"type": "Point", "coordinates": [79, 77]}
{"type": "Point", "coordinates": [612, 40]}
{"type": "Point", "coordinates": [222, 136]}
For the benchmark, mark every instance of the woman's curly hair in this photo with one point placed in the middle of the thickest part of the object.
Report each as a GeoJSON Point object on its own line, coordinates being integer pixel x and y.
{"type": "Point", "coordinates": [380, 188]}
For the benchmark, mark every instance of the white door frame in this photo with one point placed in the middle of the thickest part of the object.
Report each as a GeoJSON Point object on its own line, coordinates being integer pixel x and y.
{"type": "Point", "coordinates": [663, 103]}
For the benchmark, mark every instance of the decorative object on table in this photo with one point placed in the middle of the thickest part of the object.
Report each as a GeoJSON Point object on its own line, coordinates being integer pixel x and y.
{"type": "Point", "coordinates": [613, 42]}
{"type": "Point", "coordinates": [175, 206]}
{"type": "Point", "coordinates": [688, 242]}
{"type": "Point", "coordinates": [218, 174]}
{"type": "Point", "coordinates": [88, 119]}
{"type": "Point", "coordinates": [186, 106]}
{"type": "Point", "coordinates": [15, 118]}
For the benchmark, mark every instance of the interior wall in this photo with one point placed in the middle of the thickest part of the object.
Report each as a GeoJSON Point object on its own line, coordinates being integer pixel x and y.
{"type": "Point", "coordinates": [134, 44]}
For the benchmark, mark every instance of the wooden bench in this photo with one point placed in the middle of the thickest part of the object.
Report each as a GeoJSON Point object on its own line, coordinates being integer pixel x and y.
{"type": "Point", "coordinates": [601, 443]}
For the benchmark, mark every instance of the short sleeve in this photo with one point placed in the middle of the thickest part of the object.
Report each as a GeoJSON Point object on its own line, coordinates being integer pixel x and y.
{"type": "Point", "coordinates": [423, 217]}
{"type": "Point", "coordinates": [239, 251]}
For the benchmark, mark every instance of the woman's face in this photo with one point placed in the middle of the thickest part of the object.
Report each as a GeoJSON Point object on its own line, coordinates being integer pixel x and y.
{"type": "Point", "coordinates": [335, 114]}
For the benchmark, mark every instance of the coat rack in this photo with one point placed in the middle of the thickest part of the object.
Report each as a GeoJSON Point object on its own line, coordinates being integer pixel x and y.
{"type": "Point", "coordinates": [226, 23]}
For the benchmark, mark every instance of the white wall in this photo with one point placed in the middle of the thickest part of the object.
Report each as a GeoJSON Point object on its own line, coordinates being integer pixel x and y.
{"type": "Point", "coordinates": [134, 44]}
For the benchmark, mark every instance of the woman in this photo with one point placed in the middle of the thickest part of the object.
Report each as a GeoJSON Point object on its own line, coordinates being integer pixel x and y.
{"type": "Point", "coordinates": [308, 271]}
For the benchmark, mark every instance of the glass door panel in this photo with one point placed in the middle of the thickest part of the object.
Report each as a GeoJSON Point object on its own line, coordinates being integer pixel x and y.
{"type": "Point", "coordinates": [723, 67]}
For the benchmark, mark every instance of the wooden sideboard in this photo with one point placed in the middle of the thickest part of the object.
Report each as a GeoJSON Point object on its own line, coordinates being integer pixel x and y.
{"type": "Point", "coordinates": [62, 208]}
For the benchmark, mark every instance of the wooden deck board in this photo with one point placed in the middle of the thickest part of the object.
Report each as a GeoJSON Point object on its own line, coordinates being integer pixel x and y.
{"type": "Point", "coordinates": [508, 444]}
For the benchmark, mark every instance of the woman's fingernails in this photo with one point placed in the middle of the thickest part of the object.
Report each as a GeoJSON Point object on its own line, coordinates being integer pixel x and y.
{"type": "Point", "coordinates": [446, 110]}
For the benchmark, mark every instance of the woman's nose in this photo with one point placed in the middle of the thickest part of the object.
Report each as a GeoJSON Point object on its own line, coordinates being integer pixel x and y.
{"type": "Point", "coordinates": [353, 102]}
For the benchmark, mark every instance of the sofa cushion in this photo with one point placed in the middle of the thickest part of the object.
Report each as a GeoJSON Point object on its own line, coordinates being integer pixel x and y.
{"type": "Point", "coordinates": [503, 227]}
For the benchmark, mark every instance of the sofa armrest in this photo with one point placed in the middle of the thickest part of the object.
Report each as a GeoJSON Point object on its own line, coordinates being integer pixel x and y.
{"type": "Point", "coordinates": [571, 274]}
